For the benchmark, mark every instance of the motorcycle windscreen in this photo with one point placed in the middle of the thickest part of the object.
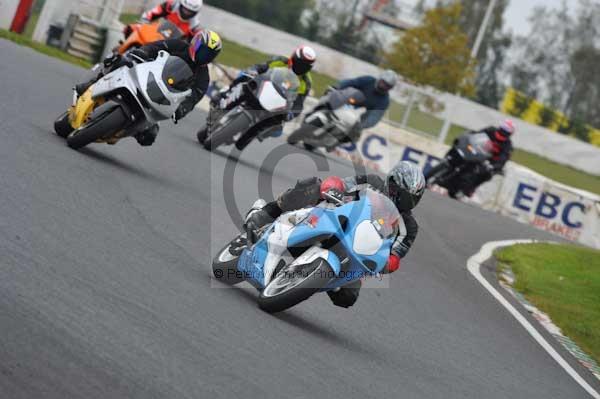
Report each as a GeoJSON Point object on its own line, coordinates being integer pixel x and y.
{"type": "Point", "coordinates": [383, 224]}
{"type": "Point", "coordinates": [286, 83]}
{"type": "Point", "coordinates": [177, 75]}
{"type": "Point", "coordinates": [479, 147]}
{"type": "Point", "coordinates": [270, 99]}
{"type": "Point", "coordinates": [169, 30]}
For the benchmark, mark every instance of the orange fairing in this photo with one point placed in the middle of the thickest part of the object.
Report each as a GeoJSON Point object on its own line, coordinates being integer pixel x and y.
{"type": "Point", "coordinates": [142, 35]}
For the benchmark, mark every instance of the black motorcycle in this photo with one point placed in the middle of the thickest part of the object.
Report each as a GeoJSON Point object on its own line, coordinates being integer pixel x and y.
{"type": "Point", "coordinates": [272, 92]}
{"type": "Point", "coordinates": [457, 171]}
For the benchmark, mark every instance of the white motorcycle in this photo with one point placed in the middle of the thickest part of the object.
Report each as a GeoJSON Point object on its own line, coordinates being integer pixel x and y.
{"type": "Point", "coordinates": [336, 119]}
{"type": "Point", "coordinates": [126, 101]}
{"type": "Point", "coordinates": [270, 93]}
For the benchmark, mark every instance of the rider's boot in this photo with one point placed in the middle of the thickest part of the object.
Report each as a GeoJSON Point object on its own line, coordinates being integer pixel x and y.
{"type": "Point", "coordinates": [345, 296]}
{"type": "Point", "coordinates": [148, 136]}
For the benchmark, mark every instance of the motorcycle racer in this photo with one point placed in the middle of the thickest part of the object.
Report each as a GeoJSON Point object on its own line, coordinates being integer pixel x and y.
{"type": "Point", "coordinates": [502, 149]}
{"type": "Point", "coordinates": [203, 49]}
{"type": "Point", "coordinates": [376, 92]}
{"type": "Point", "coordinates": [300, 62]}
{"type": "Point", "coordinates": [404, 185]}
{"type": "Point", "coordinates": [183, 13]}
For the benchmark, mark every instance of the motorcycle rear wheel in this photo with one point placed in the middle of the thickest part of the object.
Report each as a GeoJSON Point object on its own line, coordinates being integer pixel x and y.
{"type": "Point", "coordinates": [283, 292]}
{"type": "Point", "coordinates": [102, 126]}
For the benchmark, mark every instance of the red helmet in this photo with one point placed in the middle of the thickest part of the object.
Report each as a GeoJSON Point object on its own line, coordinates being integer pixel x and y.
{"type": "Point", "coordinates": [302, 60]}
{"type": "Point", "coordinates": [506, 129]}
{"type": "Point", "coordinates": [333, 183]}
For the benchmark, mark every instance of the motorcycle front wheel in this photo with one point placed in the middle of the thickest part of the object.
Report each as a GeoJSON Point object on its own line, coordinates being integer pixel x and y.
{"type": "Point", "coordinates": [62, 126]}
{"type": "Point", "coordinates": [224, 265]}
{"type": "Point", "coordinates": [434, 174]}
{"type": "Point", "coordinates": [294, 284]}
{"type": "Point", "coordinates": [104, 125]}
{"type": "Point", "coordinates": [300, 133]}
{"type": "Point", "coordinates": [223, 134]}
{"type": "Point", "coordinates": [201, 135]}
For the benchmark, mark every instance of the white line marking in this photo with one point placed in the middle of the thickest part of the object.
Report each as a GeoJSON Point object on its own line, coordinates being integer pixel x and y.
{"type": "Point", "coordinates": [474, 263]}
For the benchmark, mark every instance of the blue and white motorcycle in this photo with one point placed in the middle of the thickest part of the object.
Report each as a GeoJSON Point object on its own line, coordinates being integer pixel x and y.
{"type": "Point", "coordinates": [314, 249]}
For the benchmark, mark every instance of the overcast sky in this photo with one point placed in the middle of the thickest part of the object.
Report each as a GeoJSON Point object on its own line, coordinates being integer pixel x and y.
{"type": "Point", "coordinates": [518, 11]}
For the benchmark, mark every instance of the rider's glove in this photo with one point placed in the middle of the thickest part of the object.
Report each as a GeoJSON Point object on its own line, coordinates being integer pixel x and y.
{"type": "Point", "coordinates": [333, 189]}
{"type": "Point", "coordinates": [138, 52]}
{"type": "Point", "coordinates": [111, 60]}
{"type": "Point", "coordinates": [393, 264]}
{"type": "Point", "coordinates": [334, 196]}
{"type": "Point", "coordinates": [329, 89]}
{"type": "Point", "coordinates": [127, 31]}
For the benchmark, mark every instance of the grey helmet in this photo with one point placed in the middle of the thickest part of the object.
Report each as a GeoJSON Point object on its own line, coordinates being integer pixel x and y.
{"type": "Point", "coordinates": [387, 81]}
{"type": "Point", "coordinates": [405, 185]}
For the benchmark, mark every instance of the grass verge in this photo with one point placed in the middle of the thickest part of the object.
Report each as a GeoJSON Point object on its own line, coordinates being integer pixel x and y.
{"type": "Point", "coordinates": [42, 48]}
{"type": "Point", "coordinates": [564, 282]}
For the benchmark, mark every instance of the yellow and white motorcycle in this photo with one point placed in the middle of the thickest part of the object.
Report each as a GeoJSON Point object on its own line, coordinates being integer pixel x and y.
{"type": "Point", "coordinates": [126, 101]}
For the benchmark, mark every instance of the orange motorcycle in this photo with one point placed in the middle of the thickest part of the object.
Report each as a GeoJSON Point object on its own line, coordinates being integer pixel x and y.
{"type": "Point", "coordinates": [143, 34]}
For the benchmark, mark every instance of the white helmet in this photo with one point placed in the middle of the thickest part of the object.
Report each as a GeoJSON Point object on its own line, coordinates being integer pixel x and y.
{"type": "Point", "coordinates": [188, 9]}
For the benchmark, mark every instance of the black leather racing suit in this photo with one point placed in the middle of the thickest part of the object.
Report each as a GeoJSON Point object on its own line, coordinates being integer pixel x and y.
{"type": "Point", "coordinates": [501, 153]}
{"type": "Point", "coordinates": [308, 193]}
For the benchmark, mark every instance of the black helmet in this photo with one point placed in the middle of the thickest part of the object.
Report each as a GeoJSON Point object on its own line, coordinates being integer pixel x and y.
{"type": "Point", "coordinates": [205, 47]}
{"type": "Point", "coordinates": [302, 60]}
{"type": "Point", "coordinates": [405, 185]}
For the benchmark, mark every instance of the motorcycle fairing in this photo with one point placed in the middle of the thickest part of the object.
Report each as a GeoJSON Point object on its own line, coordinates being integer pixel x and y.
{"type": "Point", "coordinates": [136, 81]}
{"type": "Point", "coordinates": [350, 224]}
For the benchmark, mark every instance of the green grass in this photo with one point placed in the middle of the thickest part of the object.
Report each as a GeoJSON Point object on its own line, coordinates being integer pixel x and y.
{"type": "Point", "coordinates": [129, 18]}
{"type": "Point", "coordinates": [42, 48]}
{"type": "Point", "coordinates": [564, 282]}
{"type": "Point", "coordinates": [561, 173]}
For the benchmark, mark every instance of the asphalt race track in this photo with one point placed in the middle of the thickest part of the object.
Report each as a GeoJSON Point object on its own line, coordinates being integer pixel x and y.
{"type": "Point", "coordinates": [106, 291]}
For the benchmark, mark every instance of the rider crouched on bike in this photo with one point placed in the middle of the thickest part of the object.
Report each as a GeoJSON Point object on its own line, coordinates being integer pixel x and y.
{"type": "Point", "coordinates": [377, 96]}
{"type": "Point", "coordinates": [301, 63]}
{"type": "Point", "coordinates": [502, 149]}
{"type": "Point", "coordinates": [404, 185]}
{"type": "Point", "coordinates": [203, 49]}
{"type": "Point", "coordinates": [182, 13]}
